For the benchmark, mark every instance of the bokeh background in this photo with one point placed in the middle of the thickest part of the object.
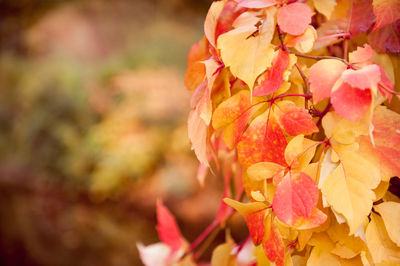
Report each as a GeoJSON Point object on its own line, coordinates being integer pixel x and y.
{"type": "Point", "coordinates": [93, 128]}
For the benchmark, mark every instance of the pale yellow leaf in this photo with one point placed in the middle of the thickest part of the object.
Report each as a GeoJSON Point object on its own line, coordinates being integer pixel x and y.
{"type": "Point", "coordinates": [210, 23]}
{"type": "Point", "coordinates": [248, 56]}
{"type": "Point", "coordinates": [380, 246]}
{"type": "Point", "coordinates": [320, 257]}
{"type": "Point", "coordinates": [348, 189]}
{"type": "Point", "coordinates": [300, 151]}
{"type": "Point", "coordinates": [390, 212]}
{"type": "Point", "coordinates": [265, 170]}
{"type": "Point", "coordinates": [325, 7]}
{"type": "Point", "coordinates": [343, 130]}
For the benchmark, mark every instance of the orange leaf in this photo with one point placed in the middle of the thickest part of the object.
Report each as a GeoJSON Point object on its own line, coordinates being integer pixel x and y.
{"type": "Point", "coordinates": [263, 141]}
{"type": "Point", "coordinates": [386, 153]}
{"type": "Point", "coordinates": [294, 18]}
{"type": "Point", "coordinates": [167, 228]}
{"type": "Point", "coordinates": [351, 103]}
{"type": "Point", "coordinates": [256, 223]}
{"type": "Point", "coordinates": [295, 197]}
{"type": "Point", "coordinates": [323, 76]}
{"type": "Point", "coordinates": [317, 218]}
{"type": "Point", "coordinates": [295, 120]}
{"type": "Point", "coordinates": [273, 244]}
{"type": "Point", "coordinates": [233, 116]}
{"type": "Point", "coordinates": [273, 78]}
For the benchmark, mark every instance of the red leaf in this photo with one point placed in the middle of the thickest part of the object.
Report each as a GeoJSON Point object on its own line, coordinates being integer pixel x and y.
{"type": "Point", "coordinates": [366, 77]}
{"type": "Point", "coordinates": [295, 120]}
{"type": "Point", "coordinates": [295, 197]}
{"type": "Point", "coordinates": [386, 12]}
{"type": "Point", "coordinates": [274, 76]}
{"type": "Point", "coordinates": [362, 16]}
{"type": "Point", "coordinates": [387, 39]}
{"type": "Point", "coordinates": [294, 18]}
{"type": "Point", "coordinates": [351, 103]}
{"type": "Point", "coordinates": [323, 76]}
{"type": "Point", "coordinates": [263, 141]}
{"type": "Point", "coordinates": [167, 228]}
{"type": "Point", "coordinates": [256, 224]}
{"type": "Point", "coordinates": [256, 3]}
{"type": "Point", "coordinates": [273, 244]}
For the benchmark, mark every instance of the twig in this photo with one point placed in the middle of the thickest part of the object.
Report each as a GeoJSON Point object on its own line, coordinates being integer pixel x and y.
{"type": "Point", "coordinates": [306, 83]}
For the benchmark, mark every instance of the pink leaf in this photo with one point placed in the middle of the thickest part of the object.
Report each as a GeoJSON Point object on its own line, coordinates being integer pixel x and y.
{"type": "Point", "coordinates": [366, 77]}
{"type": "Point", "coordinates": [351, 103]}
{"type": "Point", "coordinates": [256, 3]}
{"type": "Point", "coordinates": [295, 120]}
{"type": "Point", "coordinates": [274, 76]}
{"type": "Point", "coordinates": [167, 228]}
{"type": "Point", "coordinates": [387, 82]}
{"type": "Point", "coordinates": [295, 197]}
{"type": "Point", "coordinates": [294, 18]}
{"type": "Point", "coordinates": [323, 76]}
{"type": "Point", "coordinates": [362, 54]}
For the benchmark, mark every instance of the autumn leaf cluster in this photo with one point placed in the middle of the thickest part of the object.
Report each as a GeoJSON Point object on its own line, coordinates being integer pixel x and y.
{"type": "Point", "coordinates": [295, 104]}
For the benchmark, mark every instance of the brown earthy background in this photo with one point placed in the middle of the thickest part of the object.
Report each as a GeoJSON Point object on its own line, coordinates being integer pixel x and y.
{"type": "Point", "coordinates": [93, 129]}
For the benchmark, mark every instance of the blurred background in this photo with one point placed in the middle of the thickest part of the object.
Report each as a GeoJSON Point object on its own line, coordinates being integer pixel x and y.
{"type": "Point", "coordinates": [93, 128]}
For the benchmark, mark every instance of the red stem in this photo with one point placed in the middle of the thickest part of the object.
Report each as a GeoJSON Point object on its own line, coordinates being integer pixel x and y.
{"type": "Point", "coordinates": [204, 234]}
{"type": "Point", "coordinates": [337, 35]}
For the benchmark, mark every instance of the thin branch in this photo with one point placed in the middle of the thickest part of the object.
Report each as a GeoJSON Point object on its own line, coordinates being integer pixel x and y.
{"type": "Point", "coordinates": [306, 83]}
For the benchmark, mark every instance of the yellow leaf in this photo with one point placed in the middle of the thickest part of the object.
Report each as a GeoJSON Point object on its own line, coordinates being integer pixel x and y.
{"type": "Point", "coordinates": [382, 249]}
{"type": "Point", "coordinates": [303, 43]}
{"type": "Point", "coordinates": [348, 189]}
{"type": "Point", "coordinates": [343, 130]}
{"type": "Point", "coordinates": [320, 257]}
{"type": "Point", "coordinates": [299, 152]}
{"type": "Point", "coordinates": [325, 7]}
{"type": "Point", "coordinates": [390, 212]}
{"type": "Point", "coordinates": [222, 255]}
{"type": "Point", "coordinates": [347, 247]}
{"type": "Point", "coordinates": [245, 208]}
{"type": "Point", "coordinates": [265, 170]}
{"type": "Point", "coordinates": [262, 259]}
{"type": "Point", "coordinates": [381, 190]}
{"type": "Point", "coordinates": [246, 49]}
